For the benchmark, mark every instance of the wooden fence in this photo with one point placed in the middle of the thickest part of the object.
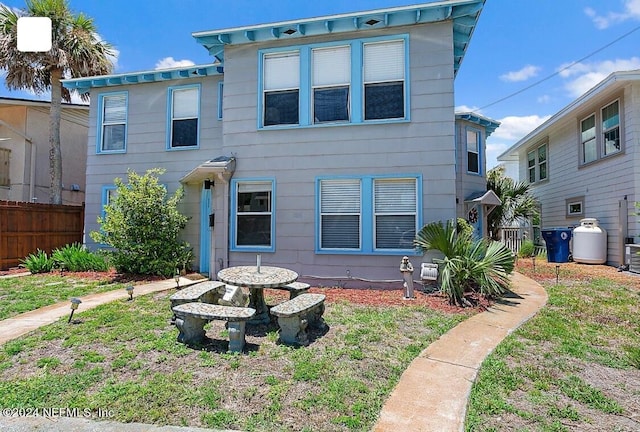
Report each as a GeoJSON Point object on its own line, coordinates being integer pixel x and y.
{"type": "Point", "coordinates": [27, 227]}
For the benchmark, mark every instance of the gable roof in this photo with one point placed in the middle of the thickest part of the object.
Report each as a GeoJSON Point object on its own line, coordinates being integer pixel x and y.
{"type": "Point", "coordinates": [463, 13]}
{"type": "Point", "coordinates": [612, 83]}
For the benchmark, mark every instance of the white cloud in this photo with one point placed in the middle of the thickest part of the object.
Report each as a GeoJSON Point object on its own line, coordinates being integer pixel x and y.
{"type": "Point", "coordinates": [513, 128]}
{"type": "Point", "coordinates": [170, 62]}
{"type": "Point", "coordinates": [631, 12]}
{"type": "Point", "coordinates": [523, 74]}
{"type": "Point", "coordinates": [466, 108]}
{"type": "Point", "coordinates": [583, 76]}
{"type": "Point", "coordinates": [543, 99]}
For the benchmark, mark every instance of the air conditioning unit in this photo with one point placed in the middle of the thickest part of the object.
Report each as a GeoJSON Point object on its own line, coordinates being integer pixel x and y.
{"type": "Point", "coordinates": [632, 257]}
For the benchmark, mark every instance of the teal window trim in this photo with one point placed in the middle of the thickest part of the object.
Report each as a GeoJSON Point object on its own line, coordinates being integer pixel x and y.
{"type": "Point", "coordinates": [480, 147]}
{"type": "Point", "coordinates": [367, 215]}
{"type": "Point", "coordinates": [233, 228]}
{"type": "Point", "coordinates": [356, 99]}
{"type": "Point", "coordinates": [220, 99]}
{"type": "Point", "coordinates": [170, 92]}
{"type": "Point", "coordinates": [100, 121]}
{"type": "Point", "coordinates": [104, 201]}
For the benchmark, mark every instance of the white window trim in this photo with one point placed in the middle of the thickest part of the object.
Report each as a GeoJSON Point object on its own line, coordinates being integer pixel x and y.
{"type": "Point", "coordinates": [537, 163]}
{"type": "Point", "coordinates": [600, 144]}
{"type": "Point", "coordinates": [171, 118]}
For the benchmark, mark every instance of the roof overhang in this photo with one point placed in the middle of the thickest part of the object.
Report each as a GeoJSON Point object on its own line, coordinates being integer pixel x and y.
{"type": "Point", "coordinates": [488, 124]}
{"type": "Point", "coordinates": [463, 13]}
{"type": "Point", "coordinates": [83, 85]}
{"type": "Point", "coordinates": [221, 168]}
{"type": "Point", "coordinates": [488, 198]}
{"type": "Point", "coordinates": [611, 84]}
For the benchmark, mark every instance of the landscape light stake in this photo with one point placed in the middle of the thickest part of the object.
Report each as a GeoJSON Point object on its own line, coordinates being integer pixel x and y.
{"type": "Point", "coordinates": [129, 291]}
{"type": "Point", "coordinates": [75, 302]}
{"type": "Point", "coordinates": [533, 258]}
{"type": "Point", "coordinates": [557, 273]}
{"type": "Point", "coordinates": [177, 279]}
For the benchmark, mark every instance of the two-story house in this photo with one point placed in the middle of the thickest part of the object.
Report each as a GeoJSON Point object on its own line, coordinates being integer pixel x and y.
{"type": "Point", "coordinates": [322, 144]}
{"type": "Point", "coordinates": [584, 161]}
{"type": "Point", "coordinates": [24, 151]}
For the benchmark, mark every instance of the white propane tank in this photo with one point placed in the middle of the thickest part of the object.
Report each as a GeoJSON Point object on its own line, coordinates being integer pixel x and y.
{"type": "Point", "coordinates": [589, 242]}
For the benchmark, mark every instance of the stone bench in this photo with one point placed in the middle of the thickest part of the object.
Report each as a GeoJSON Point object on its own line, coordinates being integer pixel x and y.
{"type": "Point", "coordinates": [295, 289]}
{"type": "Point", "coordinates": [296, 314]}
{"type": "Point", "coordinates": [205, 292]}
{"type": "Point", "coordinates": [191, 318]}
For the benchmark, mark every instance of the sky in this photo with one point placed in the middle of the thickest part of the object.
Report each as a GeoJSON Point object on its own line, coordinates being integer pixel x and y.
{"type": "Point", "coordinates": [526, 61]}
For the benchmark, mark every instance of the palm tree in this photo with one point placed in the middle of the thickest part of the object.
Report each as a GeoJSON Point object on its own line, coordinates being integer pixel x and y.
{"type": "Point", "coordinates": [76, 51]}
{"type": "Point", "coordinates": [468, 265]}
{"type": "Point", "coordinates": [518, 203]}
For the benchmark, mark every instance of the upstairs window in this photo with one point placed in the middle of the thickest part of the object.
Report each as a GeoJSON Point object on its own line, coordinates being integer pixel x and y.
{"type": "Point", "coordinates": [281, 88]}
{"type": "Point", "coordinates": [473, 151]}
{"type": "Point", "coordinates": [331, 80]}
{"type": "Point", "coordinates": [537, 164]}
{"type": "Point", "coordinates": [184, 113]}
{"type": "Point", "coordinates": [588, 139]}
{"type": "Point", "coordinates": [611, 129]}
{"type": "Point", "coordinates": [112, 123]}
{"type": "Point", "coordinates": [384, 80]}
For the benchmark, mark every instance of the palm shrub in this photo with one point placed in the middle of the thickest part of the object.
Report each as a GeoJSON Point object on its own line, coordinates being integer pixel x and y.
{"type": "Point", "coordinates": [142, 224]}
{"type": "Point", "coordinates": [38, 262]}
{"type": "Point", "coordinates": [481, 266]}
{"type": "Point", "coordinates": [75, 257]}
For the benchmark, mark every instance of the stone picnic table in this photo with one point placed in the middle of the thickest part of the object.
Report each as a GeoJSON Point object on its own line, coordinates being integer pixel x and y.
{"type": "Point", "coordinates": [256, 279]}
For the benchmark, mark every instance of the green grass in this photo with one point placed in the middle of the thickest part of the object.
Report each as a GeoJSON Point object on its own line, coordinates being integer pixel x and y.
{"type": "Point", "coordinates": [538, 376]}
{"type": "Point", "coordinates": [27, 293]}
{"type": "Point", "coordinates": [124, 357]}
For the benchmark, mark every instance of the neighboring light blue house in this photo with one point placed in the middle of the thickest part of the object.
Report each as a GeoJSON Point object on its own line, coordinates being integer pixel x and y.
{"type": "Point", "coordinates": [323, 144]}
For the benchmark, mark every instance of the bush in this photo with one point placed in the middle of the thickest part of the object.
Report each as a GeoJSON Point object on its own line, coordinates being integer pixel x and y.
{"type": "Point", "coordinates": [142, 224]}
{"type": "Point", "coordinates": [38, 262]}
{"type": "Point", "coordinates": [77, 258]}
{"type": "Point", "coordinates": [527, 249]}
{"type": "Point", "coordinates": [469, 265]}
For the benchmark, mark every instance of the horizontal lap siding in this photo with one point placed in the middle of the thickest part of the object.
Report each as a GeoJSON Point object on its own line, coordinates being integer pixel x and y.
{"type": "Point", "coordinates": [146, 148]}
{"type": "Point", "coordinates": [603, 184]}
{"type": "Point", "coordinates": [295, 157]}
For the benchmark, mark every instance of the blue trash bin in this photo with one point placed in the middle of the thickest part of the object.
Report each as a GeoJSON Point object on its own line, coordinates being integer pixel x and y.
{"type": "Point", "coordinates": [557, 241]}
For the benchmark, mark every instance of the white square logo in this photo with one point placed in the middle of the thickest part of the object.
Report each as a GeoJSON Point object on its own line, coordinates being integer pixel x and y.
{"type": "Point", "coordinates": [34, 34]}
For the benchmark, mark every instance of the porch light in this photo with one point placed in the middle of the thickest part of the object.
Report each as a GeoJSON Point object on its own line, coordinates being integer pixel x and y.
{"type": "Point", "coordinates": [75, 302]}
{"type": "Point", "coordinates": [129, 291]}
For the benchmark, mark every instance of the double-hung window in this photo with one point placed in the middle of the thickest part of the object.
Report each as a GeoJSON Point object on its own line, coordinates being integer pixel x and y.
{"type": "Point", "coordinates": [253, 210]}
{"type": "Point", "coordinates": [588, 139]}
{"type": "Point", "coordinates": [367, 214]}
{"type": "Point", "coordinates": [600, 133]}
{"type": "Point", "coordinates": [184, 113]}
{"type": "Point", "coordinates": [537, 163]}
{"type": "Point", "coordinates": [281, 88]}
{"type": "Point", "coordinates": [112, 123]}
{"type": "Point", "coordinates": [395, 213]}
{"type": "Point", "coordinates": [331, 80]}
{"type": "Point", "coordinates": [342, 82]}
{"type": "Point", "coordinates": [611, 128]}
{"type": "Point", "coordinates": [473, 151]}
{"type": "Point", "coordinates": [340, 212]}
{"type": "Point", "coordinates": [384, 80]}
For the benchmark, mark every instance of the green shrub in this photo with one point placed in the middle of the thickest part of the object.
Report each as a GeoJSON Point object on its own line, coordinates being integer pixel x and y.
{"type": "Point", "coordinates": [38, 262]}
{"type": "Point", "coordinates": [527, 249]}
{"type": "Point", "coordinates": [469, 265]}
{"type": "Point", "coordinates": [142, 224]}
{"type": "Point", "coordinates": [77, 258]}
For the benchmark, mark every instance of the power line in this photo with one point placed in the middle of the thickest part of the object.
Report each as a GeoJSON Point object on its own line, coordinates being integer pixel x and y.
{"type": "Point", "coordinates": [570, 65]}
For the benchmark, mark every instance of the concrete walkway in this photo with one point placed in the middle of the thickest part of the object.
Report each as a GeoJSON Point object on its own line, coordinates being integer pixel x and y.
{"type": "Point", "coordinates": [432, 393]}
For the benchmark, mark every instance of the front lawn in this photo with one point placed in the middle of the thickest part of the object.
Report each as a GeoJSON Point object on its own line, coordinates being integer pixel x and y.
{"type": "Point", "coordinates": [123, 358]}
{"type": "Point", "coordinates": [574, 366]}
